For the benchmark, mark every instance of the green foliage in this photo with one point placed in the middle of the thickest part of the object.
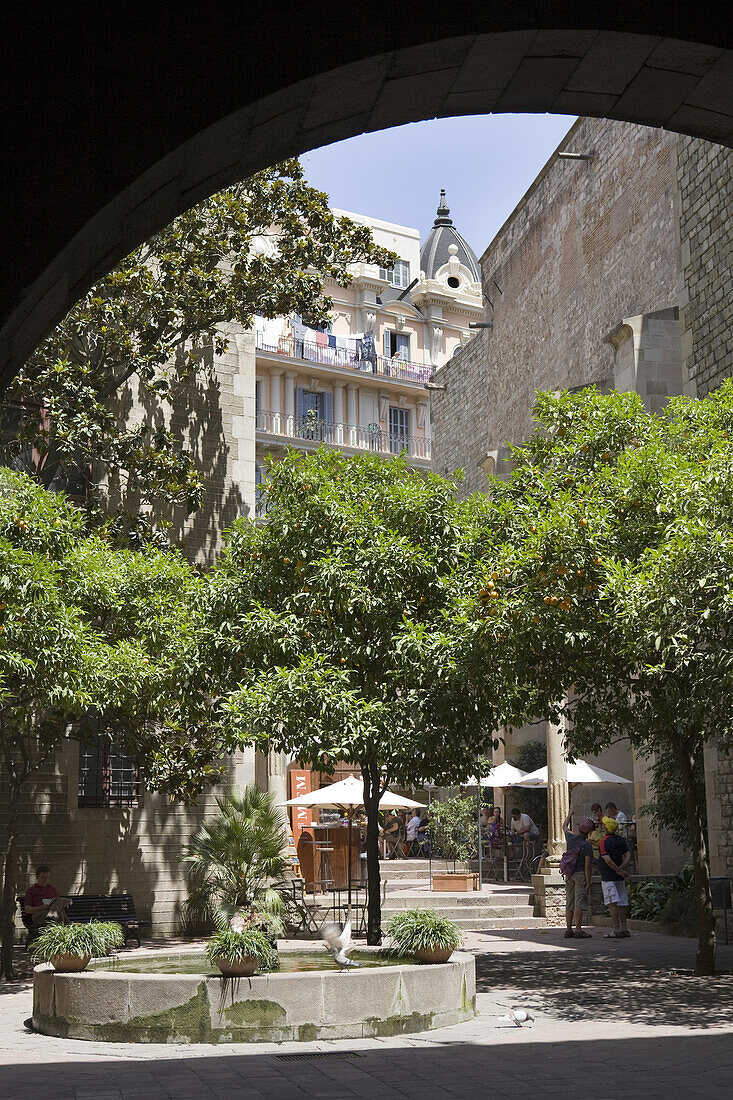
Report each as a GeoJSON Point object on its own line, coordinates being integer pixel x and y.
{"type": "Point", "coordinates": [250, 943]}
{"type": "Point", "coordinates": [331, 634]}
{"type": "Point", "coordinates": [617, 604]}
{"type": "Point", "coordinates": [667, 901]}
{"type": "Point", "coordinates": [665, 807]}
{"type": "Point", "coordinates": [263, 246]}
{"type": "Point", "coordinates": [414, 930]}
{"type": "Point", "coordinates": [97, 938]}
{"type": "Point", "coordinates": [237, 860]}
{"type": "Point", "coordinates": [454, 829]}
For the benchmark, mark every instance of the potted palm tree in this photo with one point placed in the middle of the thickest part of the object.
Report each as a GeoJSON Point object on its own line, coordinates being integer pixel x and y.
{"type": "Point", "coordinates": [70, 947]}
{"type": "Point", "coordinates": [424, 934]}
{"type": "Point", "coordinates": [241, 948]}
{"type": "Point", "coordinates": [237, 861]}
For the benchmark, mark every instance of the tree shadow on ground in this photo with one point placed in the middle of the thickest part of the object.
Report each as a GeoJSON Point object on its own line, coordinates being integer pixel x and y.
{"type": "Point", "coordinates": [693, 1065]}
{"type": "Point", "coordinates": [593, 978]}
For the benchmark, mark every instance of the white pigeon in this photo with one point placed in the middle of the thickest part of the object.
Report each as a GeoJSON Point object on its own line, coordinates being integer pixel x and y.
{"type": "Point", "coordinates": [339, 943]}
{"type": "Point", "coordinates": [517, 1016]}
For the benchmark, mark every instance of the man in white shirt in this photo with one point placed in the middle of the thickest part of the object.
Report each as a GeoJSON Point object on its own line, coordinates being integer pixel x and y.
{"type": "Point", "coordinates": [412, 827]}
{"type": "Point", "coordinates": [522, 828]}
{"type": "Point", "coordinates": [613, 811]}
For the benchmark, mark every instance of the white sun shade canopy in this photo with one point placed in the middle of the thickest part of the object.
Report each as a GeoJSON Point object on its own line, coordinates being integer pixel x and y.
{"type": "Point", "coordinates": [503, 775]}
{"type": "Point", "coordinates": [349, 795]}
{"type": "Point", "coordinates": [578, 773]}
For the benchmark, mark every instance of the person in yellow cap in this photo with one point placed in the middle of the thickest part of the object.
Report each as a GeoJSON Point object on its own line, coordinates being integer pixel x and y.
{"type": "Point", "coordinates": [613, 861]}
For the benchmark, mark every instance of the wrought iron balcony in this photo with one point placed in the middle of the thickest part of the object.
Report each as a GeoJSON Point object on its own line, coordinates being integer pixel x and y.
{"type": "Point", "coordinates": [353, 436]}
{"type": "Point", "coordinates": [400, 369]}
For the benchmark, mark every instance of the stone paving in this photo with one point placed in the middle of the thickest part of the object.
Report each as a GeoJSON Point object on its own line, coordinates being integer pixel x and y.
{"type": "Point", "coordinates": [614, 1018]}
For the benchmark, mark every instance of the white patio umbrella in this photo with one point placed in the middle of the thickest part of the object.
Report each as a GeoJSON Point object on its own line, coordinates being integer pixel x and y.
{"type": "Point", "coordinates": [579, 773]}
{"type": "Point", "coordinates": [348, 796]}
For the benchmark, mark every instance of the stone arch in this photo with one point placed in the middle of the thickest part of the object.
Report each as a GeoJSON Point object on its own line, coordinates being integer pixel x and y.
{"type": "Point", "coordinates": [661, 65]}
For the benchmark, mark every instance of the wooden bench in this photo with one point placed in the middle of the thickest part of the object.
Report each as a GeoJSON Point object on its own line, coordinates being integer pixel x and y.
{"type": "Point", "coordinates": [84, 908]}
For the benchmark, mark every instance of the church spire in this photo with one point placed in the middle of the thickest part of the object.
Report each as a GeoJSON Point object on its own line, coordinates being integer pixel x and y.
{"type": "Point", "coordinates": [443, 211]}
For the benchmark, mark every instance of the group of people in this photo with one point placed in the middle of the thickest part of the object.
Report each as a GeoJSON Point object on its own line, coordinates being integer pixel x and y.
{"type": "Point", "coordinates": [408, 836]}
{"type": "Point", "coordinates": [521, 829]}
{"type": "Point", "coordinates": [597, 842]}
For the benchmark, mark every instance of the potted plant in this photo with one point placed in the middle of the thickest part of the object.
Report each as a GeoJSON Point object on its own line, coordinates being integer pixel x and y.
{"type": "Point", "coordinates": [454, 837]}
{"type": "Point", "coordinates": [70, 947]}
{"type": "Point", "coordinates": [424, 934]}
{"type": "Point", "coordinates": [242, 947]}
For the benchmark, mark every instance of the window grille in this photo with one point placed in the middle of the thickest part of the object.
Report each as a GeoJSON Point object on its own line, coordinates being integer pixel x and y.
{"type": "Point", "coordinates": [107, 774]}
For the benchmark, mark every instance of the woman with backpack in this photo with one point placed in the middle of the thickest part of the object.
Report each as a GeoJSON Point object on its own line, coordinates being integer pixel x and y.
{"type": "Point", "coordinates": [576, 867]}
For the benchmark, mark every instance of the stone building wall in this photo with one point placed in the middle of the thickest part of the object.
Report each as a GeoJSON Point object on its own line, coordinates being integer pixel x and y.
{"type": "Point", "coordinates": [214, 417]}
{"type": "Point", "coordinates": [705, 181]}
{"type": "Point", "coordinates": [591, 245]}
{"type": "Point", "coordinates": [135, 849]}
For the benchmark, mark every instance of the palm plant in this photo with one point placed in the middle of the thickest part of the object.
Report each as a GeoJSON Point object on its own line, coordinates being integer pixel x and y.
{"type": "Point", "coordinates": [237, 860]}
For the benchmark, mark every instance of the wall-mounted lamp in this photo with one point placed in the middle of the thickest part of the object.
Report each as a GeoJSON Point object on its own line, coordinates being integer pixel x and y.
{"type": "Point", "coordinates": [480, 324]}
{"type": "Point", "coordinates": [435, 386]}
{"type": "Point", "coordinates": [576, 156]}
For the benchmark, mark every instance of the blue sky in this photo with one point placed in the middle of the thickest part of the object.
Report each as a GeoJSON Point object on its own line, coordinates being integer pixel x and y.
{"type": "Point", "coordinates": [485, 163]}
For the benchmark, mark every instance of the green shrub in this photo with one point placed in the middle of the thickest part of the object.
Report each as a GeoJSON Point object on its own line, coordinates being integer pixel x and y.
{"type": "Point", "coordinates": [670, 900]}
{"type": "Point", "coordinates": [454, 829]}
{"type": "Point", "coordinates": [98, 938]}
{"type": "Point", "coordinates": [414, 930]}
{"type": "Point", "coordinates": [250, 943]}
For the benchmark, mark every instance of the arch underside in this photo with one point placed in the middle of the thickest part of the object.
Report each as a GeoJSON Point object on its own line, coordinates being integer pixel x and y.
{"type": "Point", "coordinates": [103, 172]}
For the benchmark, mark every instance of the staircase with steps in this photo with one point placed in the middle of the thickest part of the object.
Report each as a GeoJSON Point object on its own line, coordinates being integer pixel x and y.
{"type": "Point", "coordinates": [406, 885]}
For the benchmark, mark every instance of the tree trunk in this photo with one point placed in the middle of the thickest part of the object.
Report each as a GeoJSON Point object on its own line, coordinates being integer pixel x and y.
{"type": "Point", "coordinates": [370, 775]}
{"type": "Point", "coordinates": [705, 963]}
{"type": "Point", "coordinates": [9, 884]}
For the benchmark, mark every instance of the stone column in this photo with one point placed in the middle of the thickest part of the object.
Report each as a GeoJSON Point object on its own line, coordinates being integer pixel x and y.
{"type": "Point", "coordinates": [549, 887]}
{"type": "Point", "coordinates": [289, 422]}
{"type": "Point", "coordinates": [275, 400]}
{"type": "Point", "coordinates": [352, 413]}
{"type": "Point", "coordinates": [558, 798]}
{"type": "Point", "coordinates": [338, 411]}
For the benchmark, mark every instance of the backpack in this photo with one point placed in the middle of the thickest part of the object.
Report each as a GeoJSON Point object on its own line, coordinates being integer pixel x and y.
{"type": "Point", "coordinates": [569, 861]}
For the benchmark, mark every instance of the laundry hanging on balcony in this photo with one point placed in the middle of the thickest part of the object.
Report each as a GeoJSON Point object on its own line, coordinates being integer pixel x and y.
{"type": "Point", "coordinates": [268, 331]}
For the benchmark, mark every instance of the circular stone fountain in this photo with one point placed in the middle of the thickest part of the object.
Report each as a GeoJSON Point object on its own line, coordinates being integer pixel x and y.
{"type": "Point", "coordinates": [387, 997]}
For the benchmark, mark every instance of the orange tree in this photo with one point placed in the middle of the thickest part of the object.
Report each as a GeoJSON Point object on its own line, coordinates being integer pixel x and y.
{"type": "Point", "coordinates": [86, 631]}
{"type": "Point", "coordinates": [612, 588]}
{"type": "Point", "coordinates": [331, 635]}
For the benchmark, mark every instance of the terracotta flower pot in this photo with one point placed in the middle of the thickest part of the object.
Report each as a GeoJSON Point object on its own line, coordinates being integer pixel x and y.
{"type": "Point", "coordinates": [434, 954]}
{"type": "Point", "coordinates": [237, 968]}
{"type": "Point", "coordinates": [70, 964]}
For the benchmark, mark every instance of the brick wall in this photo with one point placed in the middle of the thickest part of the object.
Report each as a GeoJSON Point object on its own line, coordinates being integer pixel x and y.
{"type": "Point", "coordinates": [589, 245]}
{"type": "Point", "coordinates": [705, 180]}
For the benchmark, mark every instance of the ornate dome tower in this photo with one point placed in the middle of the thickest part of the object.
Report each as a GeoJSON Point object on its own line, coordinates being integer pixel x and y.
{"type": "Point", "coordinates": [447, 258]}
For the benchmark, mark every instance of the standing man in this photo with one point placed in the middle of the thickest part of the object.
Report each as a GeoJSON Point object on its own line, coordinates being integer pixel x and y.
{"type": "Point", "coordinates": [577, 883]}
{"type": "Point", "coordinates": [613, 861]}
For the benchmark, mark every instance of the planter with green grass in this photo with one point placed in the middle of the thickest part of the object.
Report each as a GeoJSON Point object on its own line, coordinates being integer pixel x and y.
{"type": "Point", "coordinates": [238, 952]}
{"type": "Point", "coordinates": [70, 947]}
{"type": "Point", "coordinates": [424, 934]}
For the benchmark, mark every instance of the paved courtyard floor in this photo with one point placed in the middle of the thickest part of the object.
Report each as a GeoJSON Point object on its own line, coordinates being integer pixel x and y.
{"type": "Point", "coordinates": [614, 1019]}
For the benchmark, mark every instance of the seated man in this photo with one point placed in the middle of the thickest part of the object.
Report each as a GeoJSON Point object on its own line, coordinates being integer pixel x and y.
{"type": "Point", "coordinates": [423, 835]}
{"type": "Point", "coordinates": [42, 902]}
{"type": "Point", "coordinates": [613, 811]}
{"type": "Point", "coordinates": [522, 828]}
{"type": "Point", "coordinates": [412, 827]}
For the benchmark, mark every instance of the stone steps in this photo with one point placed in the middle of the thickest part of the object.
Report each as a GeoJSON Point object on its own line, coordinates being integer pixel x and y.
{"type": "Point", "coordinates": [486, 924]}
{"type": "Point", "coordinates": [424, 899]}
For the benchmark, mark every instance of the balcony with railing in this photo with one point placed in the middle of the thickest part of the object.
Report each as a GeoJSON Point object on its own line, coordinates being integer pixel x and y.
{"type": "Point", "coordinates": [354, 436]}
{"type": "Point", "coordinates": [399, 369]}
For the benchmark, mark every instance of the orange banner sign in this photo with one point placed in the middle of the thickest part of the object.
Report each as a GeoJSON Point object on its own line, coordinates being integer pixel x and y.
{"type": "Point", "coordinates": [300, 783]}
